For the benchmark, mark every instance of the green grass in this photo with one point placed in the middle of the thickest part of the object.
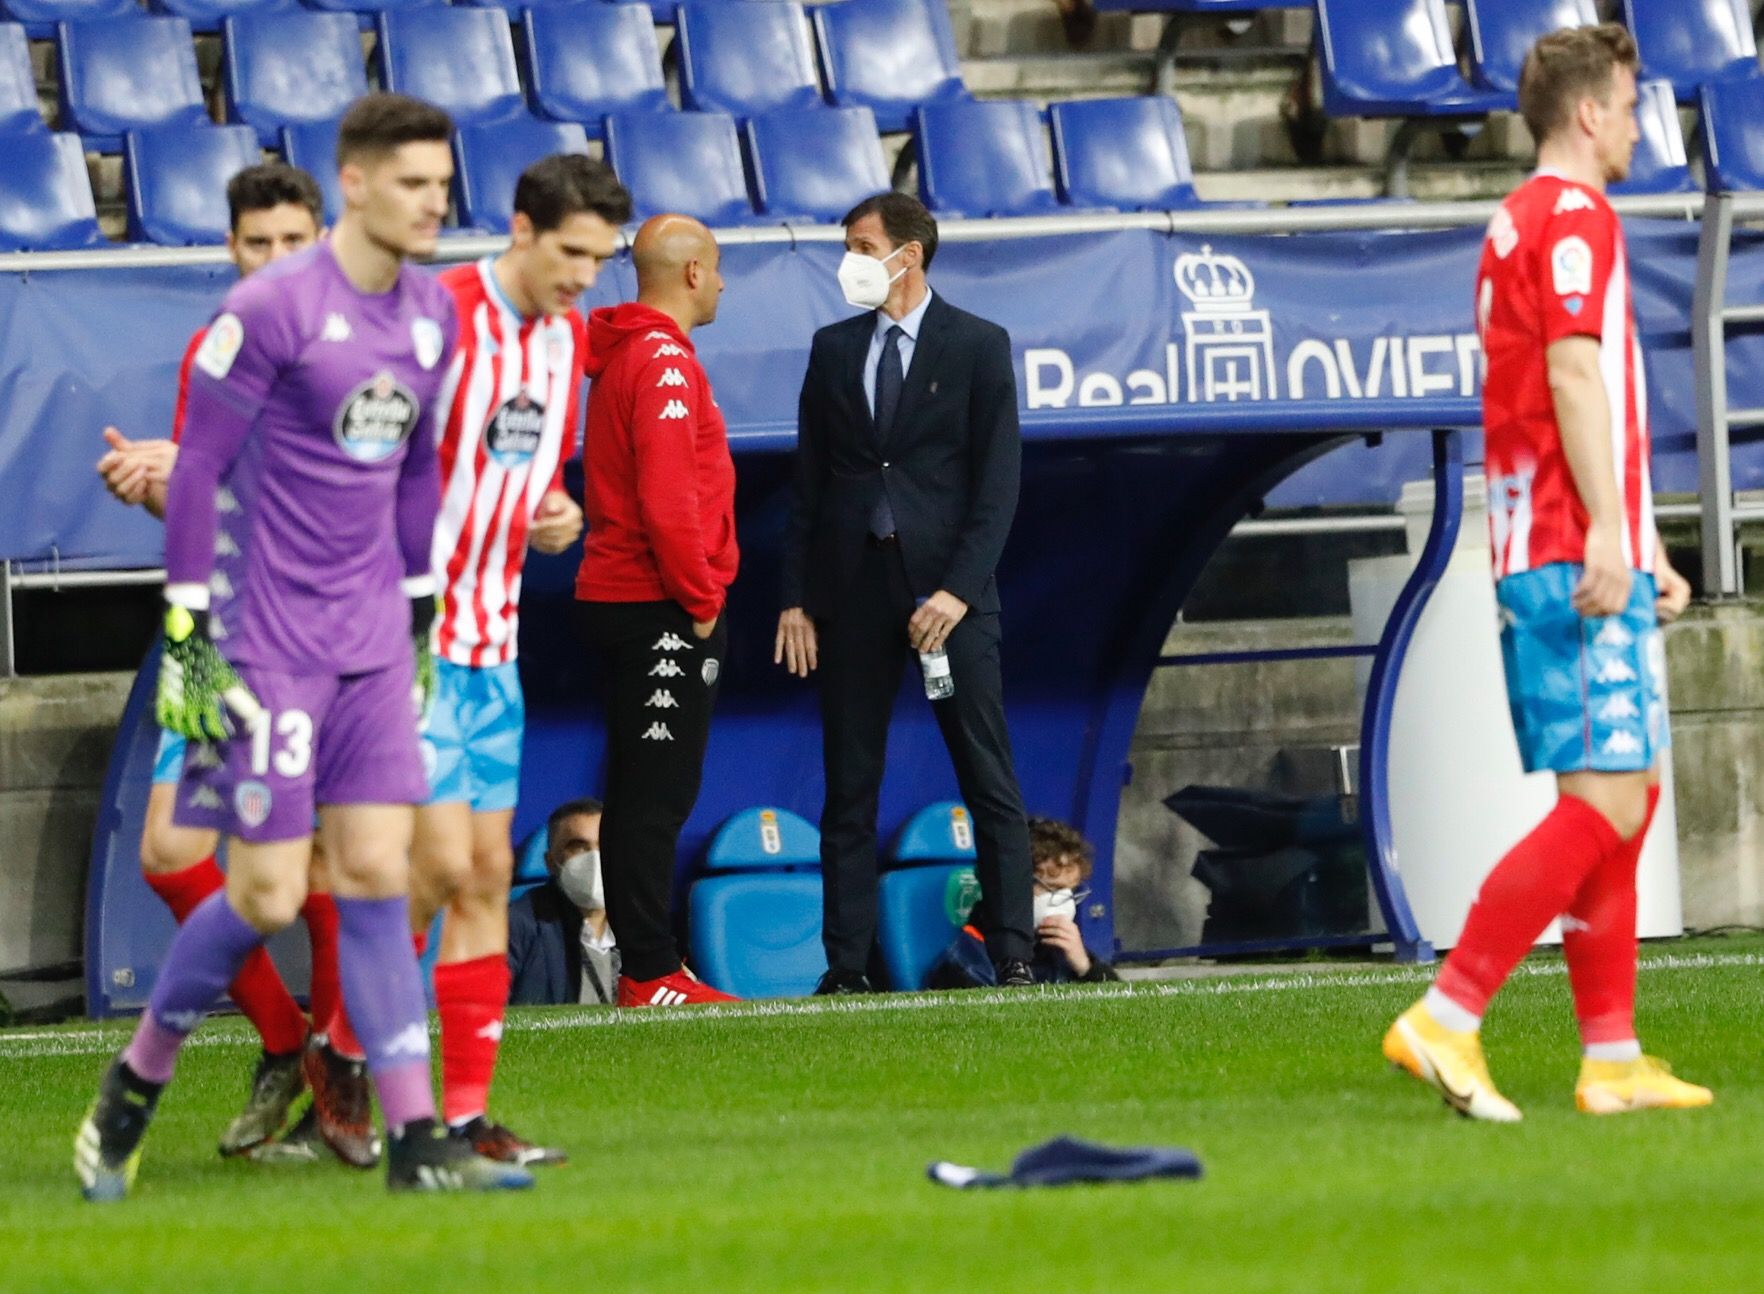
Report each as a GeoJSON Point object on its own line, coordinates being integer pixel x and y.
{"type": "Point", "coordinates": [787, 1152]}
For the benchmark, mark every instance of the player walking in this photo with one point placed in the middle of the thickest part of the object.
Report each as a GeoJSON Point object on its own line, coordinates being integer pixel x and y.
{"type": "Point", "coordinates": [1583, 584]}
{"type": "Point", "coordinates": [299, 520]}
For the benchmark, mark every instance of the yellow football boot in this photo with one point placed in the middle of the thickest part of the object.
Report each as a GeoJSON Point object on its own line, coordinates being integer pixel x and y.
{"type": "Point", "coordinates": [1450, 1062]}
{"type": "Point", "coordinates": [1646, 1083]}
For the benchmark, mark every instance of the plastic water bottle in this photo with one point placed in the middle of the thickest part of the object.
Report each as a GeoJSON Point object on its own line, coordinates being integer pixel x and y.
{"type": "Point", "coordinates": [939, 682]}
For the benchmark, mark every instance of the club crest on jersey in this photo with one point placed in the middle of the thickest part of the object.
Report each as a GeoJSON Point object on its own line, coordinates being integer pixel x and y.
{"type": "Point", "coordinates": [376, 419]}
{"type": "Point", "coordinates": [425, 338]}
{"type": "Point", "coordinates": [220, 346]}
{"type": "Point", "coordinates": [513, 434]}
{"type": "Point", "coordinates": [251, 802]}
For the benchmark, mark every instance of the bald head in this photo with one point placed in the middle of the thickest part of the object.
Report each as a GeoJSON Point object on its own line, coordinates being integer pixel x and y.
{"type": "Point", "coordinates": [677, 261]}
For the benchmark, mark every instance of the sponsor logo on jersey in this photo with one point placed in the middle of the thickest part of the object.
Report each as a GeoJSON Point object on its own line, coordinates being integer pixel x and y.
{"type": "Point", "coordinates": [1622, 742]}
{"type": "Point", "coordinates": [710, 671]}
{"type": "Point", "coordinates": [425, 339]}
{"type": "Point", "coordinates": [376, 418]}
{"type": "Point", "coordinates": [1573, 200]}
{"type": "Point", "coordinates": [669, 642]}
{"type": "Point", "coordinates": [657, 731]}
{"type": "Point", "coordinates": [673, 410]}
{"type": "Point", "coordinates": [252, 802]}
{"type": "Point", "coordinates": [1503, 234]}
{"type": "Point", "coordinates": [661, 699]}
{"type": "Point", "coordinates": [672, 377]}
{"type": "Point", "coordinates": [1571, 267]}
{"type": "Point", "coordinates": [336, 328]}
{"type": "Point", "coordinates": [220, 346]}
{"type": "Point", "coordinates": [666, 669]}
{"type": "Point", "coordinates": [514, 431]}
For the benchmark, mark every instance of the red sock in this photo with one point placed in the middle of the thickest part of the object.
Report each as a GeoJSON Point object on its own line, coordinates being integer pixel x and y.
{"type": "Point", "coordinates": [257, 989]}
{"type": "Point", "coordinates": [1528, 889]}
{"type": "Point", "coordinates": [339, 1032]}
{"type": "Point", "coordinates": [326, 990]}
{"type": "Point", "coordinates": [471, 997]}
{"type": "Point", "coordinates": [420, 942]}
{"type": "Point", "coordinates": [1598, 939]}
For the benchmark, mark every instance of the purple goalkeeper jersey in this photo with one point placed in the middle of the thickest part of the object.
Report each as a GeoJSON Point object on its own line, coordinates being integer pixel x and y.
{"type": "Point", "coordinates": [307, 483]}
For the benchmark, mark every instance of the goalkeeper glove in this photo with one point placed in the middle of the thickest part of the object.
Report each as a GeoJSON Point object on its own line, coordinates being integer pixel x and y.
{"type": "Point", "coordinates": [196, 685]}
{"type": "Point", "coordinates": [422, 621]}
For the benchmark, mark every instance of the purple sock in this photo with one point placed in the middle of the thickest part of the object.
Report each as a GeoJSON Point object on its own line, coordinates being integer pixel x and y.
{"type": "Point", "coordinates": [383, 993]}
{"type": "Point", "coordinates": [207, 953]}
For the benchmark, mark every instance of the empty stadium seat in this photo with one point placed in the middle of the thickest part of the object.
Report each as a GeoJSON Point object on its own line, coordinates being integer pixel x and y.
{"type": "Point", "coordinates": [530, 870]}
{"type": "Point", "coordinates": [18, 83]}
{"type": "Point", "coordinates": [916, 916]}
{"type": "Point", "coordinates": [490, 159]}
{"type": "Point", "coordinates": [889, 56]}
{"type": "Point", "coordinates": [40, 16]}
{"type": "Point", "coordinates": [45, 193]}
{"type": "Point", "coordinates": [1198, 6]}
{"type": "Point", "coordinates": [688, 162]}
{"type": "Point", "coordinates": [365, 11]}
{"type": "Point", "coordinates": [585, 61]}
{"type": "Point", "coordinates": [461, 60]}
{"type": "Point", "coordinates": [312, 146]}
{"type": "Point", "coordinates": [127, 74]}
{"type": "Point", "coordinates": [1692, 43]}
{"type": "Point", "coordinates": [286, 68]}
{"type": "Point", "coordinates": [1659, 164]}
{"type": "Point", "coordinates": [208, 15]}
{"type": "Point", "coordinates": [816, 162]}
{"type": "Point", "coordinates": [177, 181]}
{"type": "Point", "coordinates": [983, 158]}
{"type": "Point", "coordinates": [1127, 154]}
{"type": "Point", "coordinates": [755, 919]}
{"type": "Point", "coordinates": [1733, 136]}
{"type": "Point", "coordinates": [744, 59]}
{"type": "Point", "coordinates": [1502, 33]}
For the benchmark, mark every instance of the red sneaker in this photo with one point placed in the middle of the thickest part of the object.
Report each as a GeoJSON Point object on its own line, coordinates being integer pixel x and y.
{"type": "Point", "coordinates": [682, 988]}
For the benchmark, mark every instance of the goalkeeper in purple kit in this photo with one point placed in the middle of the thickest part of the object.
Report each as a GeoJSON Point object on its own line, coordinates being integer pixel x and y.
{"type": "Point", "coordinates": [299, 602]}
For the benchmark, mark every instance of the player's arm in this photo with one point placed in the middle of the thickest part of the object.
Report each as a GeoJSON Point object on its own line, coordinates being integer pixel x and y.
{"type": "Point", "coordinates": [664, 433]}
{"type": "Point", "coordinates": [1672, 589]}
{"type": "Point", "coordinates": [558, 521]}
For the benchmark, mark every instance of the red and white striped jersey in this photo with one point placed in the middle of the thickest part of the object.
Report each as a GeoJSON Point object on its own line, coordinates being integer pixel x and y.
{"type": "Point", "coordinates": [1554, 265]}
{"type": "Point", "coordinates": [512, 396]}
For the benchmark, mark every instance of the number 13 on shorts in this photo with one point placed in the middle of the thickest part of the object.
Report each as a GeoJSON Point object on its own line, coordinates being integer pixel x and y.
{"type": "Point", "coordinates": [283, 741]}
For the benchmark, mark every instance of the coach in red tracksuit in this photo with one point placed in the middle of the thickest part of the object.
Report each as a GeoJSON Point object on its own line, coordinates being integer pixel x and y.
{"type": "Point", "coordinates": [656, 566]}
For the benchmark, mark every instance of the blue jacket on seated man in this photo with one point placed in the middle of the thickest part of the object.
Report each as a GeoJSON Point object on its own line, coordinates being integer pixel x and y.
{"type": "Point", "coordinates": [560, 949]}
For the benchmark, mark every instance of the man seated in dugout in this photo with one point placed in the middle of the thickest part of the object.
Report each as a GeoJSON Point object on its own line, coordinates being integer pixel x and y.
{"type": "Point", "coordinates": [1063, 861]}
{"type": "Point", "coordinates": [560, 948]}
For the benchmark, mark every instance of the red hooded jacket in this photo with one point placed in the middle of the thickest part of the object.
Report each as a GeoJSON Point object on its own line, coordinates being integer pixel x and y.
{"type": "Point", "coordinates": [660, 485]}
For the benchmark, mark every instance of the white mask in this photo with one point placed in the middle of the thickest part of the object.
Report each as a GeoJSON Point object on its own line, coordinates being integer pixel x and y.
{"type": "Point", "coordinates": [865, 280]}
{"type": "Point", "coordinates": [579, 878]}
{"type": "Point", "coordinates": [1060, 903]}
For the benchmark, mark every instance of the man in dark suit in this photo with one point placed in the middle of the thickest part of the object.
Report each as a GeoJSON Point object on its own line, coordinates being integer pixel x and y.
{"type": "Point", "coordinates": [907, 469]}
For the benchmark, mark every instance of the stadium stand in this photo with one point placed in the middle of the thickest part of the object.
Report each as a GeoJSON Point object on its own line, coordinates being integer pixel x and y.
{"type": "Point", "coordinates": [1693, 42]}
{"type": "Point", "coordinates": [1660, 164]}
{"type": "Point", "coordinates": [177, 181]}
{"type": "Point", "coordinates": [889, 56]}
{"type": "Point", "coordinates": [1502, 32]}
{"type": "Point", "coordinates": [208, 15]}
{"type": "Point", "coordinates": [745, 59]}
{"type": "Point", "coordinates": [283, 69]}
{"type": "Point", "coordinates": [19, 110]}
{"type": "Point", "coordinates": [818, 162]}
{"type": "Point", "coordinates": [755, 918]}
{"type": "Point", "coordinates": [40, 16]}
{"type": "Point", "coordinates": [1122, 154]}
{"type": "Point", "coordinates": [689, 162]}
{"type": "Point", "coordinates": [126, 74]}
{"type": "Point", "coordinates": [45, 193]}
{"type": "Point", "coordinates": [488, 160]}
{"type": "Point", "coordinates": [312, 146]}
{"type": "Point", "coordinates": [587, 61]}
{"type": "Point", "coordinates": [458, 59]}
{"type": "Point", "coordinates": [1733, 136]}
{"type": "Point", "coordinates": [366, 10]}
{"type": "Point", "coordinates": [934, 848]}
{"type": "Point", "coordinates": [983, 159]}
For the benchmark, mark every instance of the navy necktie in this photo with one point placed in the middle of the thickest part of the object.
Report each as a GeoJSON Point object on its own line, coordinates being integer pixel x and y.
{"type": "Point", "coordinates": [890, 377]}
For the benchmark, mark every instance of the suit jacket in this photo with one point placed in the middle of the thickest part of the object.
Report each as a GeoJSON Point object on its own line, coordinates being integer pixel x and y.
{"type": "Point", "coordinates": [544, 948]}
{"type": "Point", "coordinates": [950, 464]}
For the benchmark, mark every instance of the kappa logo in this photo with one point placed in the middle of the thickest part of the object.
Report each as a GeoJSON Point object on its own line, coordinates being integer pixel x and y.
{"type": "Point", "coordinates": [1570, 924]}
{"type": "Point", "coordinates": [661, 699]}
{"type": "Point", "coordinates": [656, 334]}
{"type": "Point", "coordinates": [658, 731]}
{"type": "Point", "coordinates": [201, 754]}
{"type": "Point", "coordinates": [336, 328]}
{"type": "Point", "coordinates": [669, 642]}
{"type": "Point", "coordinates": [1622, 742]}
{"type": "Point", "coordinates": [412, 1041]}
{"type": "Point", "coordinates": [217, 628]}
{"type": "Point", "coordinates": [206, 797]}
{"type": "Point", "coordinates": [224, 500]}
{"type": "Point", "coordinates": [669, 349]}
{"type": "Point", "coordinates": [1503, 234]}
{"type": "Point", "coordinates": [179, 1021]}
{"type": "Point", "coordinates": [673, 377]}
{"type": "Point", "coordinates": [219, 585]}
{"type": "Point", "coordinates": [666, 669]}
{"type": "Point", "coordinates": [1614, 635]}
{"type": "Point", "coordinates": [1573, 200]}
{"type": "Point", "coordinates": [1614, 671]}
{"type": "Point", "coordinates": [673, 410]}
{"type": "Point", "coordinates": [427, 340]}
{"type": "Point", "coordinates": [1618, 709]}
{"type": "Point", "coordinates": [491, 1032]}
{"type": "Point", "coordinates": [225, 545]}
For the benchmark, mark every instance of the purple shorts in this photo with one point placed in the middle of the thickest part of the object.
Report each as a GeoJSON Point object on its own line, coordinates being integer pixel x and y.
{"type": "Point", "coordinates": [324, 739]}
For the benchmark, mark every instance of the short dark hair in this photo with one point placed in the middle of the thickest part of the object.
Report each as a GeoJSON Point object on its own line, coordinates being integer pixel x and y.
{"type": "Point", "coordinates": [1567, 66]}
{"type": "Point", "coordinates": [904, 219]}
{"type": "Point", "coordinates": [1052, 841]}
{"type": "Point", "coordinates": [555, 188]}
{"type": "Point", "coordinates": [377, 124]}
{"type": "Point", "coordinates": [587, 804]}
{"type": "Point", "coordinates": [273, 184]}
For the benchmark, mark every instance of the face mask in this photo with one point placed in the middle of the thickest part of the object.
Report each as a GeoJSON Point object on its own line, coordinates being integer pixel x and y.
{"type": "Point", "coordinates": [865, 281]}
{"type": "Point", "coordinates": [1061, 903]}
{"type": "Point", "coordinates": [579, 878]}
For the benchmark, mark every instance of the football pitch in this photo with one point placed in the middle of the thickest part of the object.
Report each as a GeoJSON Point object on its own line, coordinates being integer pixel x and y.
{"type": "Point", "coordinates": [783, 1147]}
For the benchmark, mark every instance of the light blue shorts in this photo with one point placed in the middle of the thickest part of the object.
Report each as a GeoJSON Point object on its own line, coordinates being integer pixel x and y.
{"type": "Point", "coordinates": [1586, 695]}
{"type": "Point", "coordinates": [168, 762]}
{"type": "Point", "coordinates": [472, 742]}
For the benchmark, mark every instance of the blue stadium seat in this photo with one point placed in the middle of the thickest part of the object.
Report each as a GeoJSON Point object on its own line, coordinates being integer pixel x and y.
{"type": "Point", "coordinates": [365, 11]}
{"type": "Point", "coordinates": [45, 194]}
{"type": "Point", "coordinates": [488, 160]}
{"type": "Point", "coordinates": [755, 921]}
{"type": "Point", "coordinates": [530, 870]}
{"type": "Point", "coordinates": [312, 146]}
{"type": "Point", "coordinates": [177, 181]}
{"type": "Point", "coordinates": [983, 158]}
{"type": "Point", "coordinates": [914, 925]}
{"type": "Point", "coordinates": [286, 68]}
{"type": "Point", "coordinates": [208, 15]}
{"type": "Point", "coordinates": [41, 16]}
{"type": "Point", "coordinates": [1127, 154]}
{"type": "Point", "coordinates": [889, 56]}
{"type": "Point", "coordinates": [1659, 165]}
{"type": "Point", "coordinates": [746, 58]}
{"type": "Point", "coordinates": [688, 162]}
{"type": "Point", "coordinates": [1395, 58]}
{"type": "Point", "coordinates": [938, 833]}
{"type": "Point", "coordinates": [18, 83]}
{"type": "Point", "coordinates": [127, 74]}
{"type": "Point", "coordinates": [1502, 33]}
{"type": "Point", "coordinates": [1198, 6]}
{"type": "Point", "coordinates": [1733, 136]}
{"type": "Point", "coordinates": [815, 162]}
{"type": "Point", "coordinates": [585, 61]}
{"type": "Point", "coordinates": [1692, 43]}
{"type": "Point", "coordinates": [458, 59]}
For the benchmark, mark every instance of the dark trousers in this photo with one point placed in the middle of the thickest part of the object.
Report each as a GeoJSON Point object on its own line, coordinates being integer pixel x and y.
{"type": "Point", "coordinates": [661, 686]}
{"type": "Point", "coordinates": [863, 650]}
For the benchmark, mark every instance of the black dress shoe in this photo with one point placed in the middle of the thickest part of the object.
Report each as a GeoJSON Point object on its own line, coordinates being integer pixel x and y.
{"type": "Point", "coordinates": [1014, 973]}
{"type": "Point", "coordinates": [837, 983]}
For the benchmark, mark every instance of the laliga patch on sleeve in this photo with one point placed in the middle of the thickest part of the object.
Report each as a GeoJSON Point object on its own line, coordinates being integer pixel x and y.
{"type": "Point", "coordinates": [220, 347]}
{"type": "Point", "coordinates": [1571, 267]}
